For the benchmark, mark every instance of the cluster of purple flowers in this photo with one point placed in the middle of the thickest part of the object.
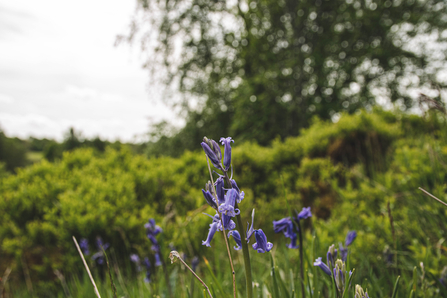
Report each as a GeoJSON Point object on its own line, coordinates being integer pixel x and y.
{"type": "Point", "coordinates": [289, 229]}
{"type": "Point", "coordinates": [152, 230]}
{"type": "Point", "coordinates": [98, 257]}
{"type": "Point", "coordinates": [225, 201]}
{"type": "Point", "coordinates": [332, 254]}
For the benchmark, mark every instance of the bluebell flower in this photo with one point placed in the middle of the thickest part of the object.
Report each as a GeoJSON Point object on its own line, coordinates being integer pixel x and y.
{"type": "Point", "coordinates": [261, 244]}
{"type": "Point", "coordinates": [350, 237]}
{"type": "Point", "coordinates": [227, 151]}
{"type": "Point", "coordinates": [237, 239]}
{"type": "Point", "coordinates": [343, 252]}
{"type": "Point", "coordinates": [211, 232]}
{"type": "Point", "coordinates": [157, 259]}
{"type": "Point", "coordinates": [136, 259]}
{"type": "Point", "coordinates": [388, 255]}
{"type": "Point", "coordinates": [323, 266]}
{"type": "Point", "coordinates": [152, 230]}
{"type": "Point", "coordinates": [84, 246]}
{"type": "Point", "coordinates": [359, 293]}
{"type": "Point", "coordinates": [212, 150]}
{"type": "Point", "coordinates": [305, 213]}
{"type": "Point", "coordinates": [100, 245]}
{"type": "Point", "coordinates": [230, 200]}
{"type": "Point", "coordinates": [293, 244]}
{"type": "Point", "coordinates": [228, 223]}
{"type": "Point", "coordinates": [209, 199]}
{"type": "Point", "coordinates": [99, 256]}
{"type": "Point", "coordinates": [241, 193]}
{"type": "Point", "coordinates": [220, 190]}
{"type": "Point", "coordinates": [331, 256]}
{"type": "Point", "coordinates": [147, 264]}
{"type": "Point", "coordinates": [194, 263]}
{"type": "Point", "coordinates": [284, 225]}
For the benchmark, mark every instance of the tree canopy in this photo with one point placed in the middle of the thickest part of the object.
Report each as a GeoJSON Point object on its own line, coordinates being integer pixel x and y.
{"type": "Point", "coordinates": [261, 69]}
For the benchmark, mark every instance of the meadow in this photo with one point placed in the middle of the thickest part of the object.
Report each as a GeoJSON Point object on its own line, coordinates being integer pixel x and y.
{"type": "Point", "coordinates": [360, 174]}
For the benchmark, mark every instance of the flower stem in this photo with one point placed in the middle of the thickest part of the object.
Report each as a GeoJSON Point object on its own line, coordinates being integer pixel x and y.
{"type": "Point", "coordinates": [245, 252]}
{"type": "Point", "coordinates": [301, 259]}
{"type": "Point", "coordinates": [223, 233]}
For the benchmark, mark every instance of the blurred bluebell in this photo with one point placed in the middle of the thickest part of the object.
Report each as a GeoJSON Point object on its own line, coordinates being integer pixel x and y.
{"type": "Point", "coordinates": [290, 230]}
{"type": "Point", "coordinates": [194, 263]}
{"type": "Point", "coordinates": [84, 246]}
{"type": "Point", "coordinates": [227, 151]}
{"type": "Point", "coordinates": [293, 244]}
{"type": "Point", "coordinates": [98, 257]}
{"type": "Point", "coordinates": [323, 266]}
{"type": "Point", "coordinates": [157, 259]}
{"type": "Point", "coordinates": [284, 225]}
{"type": "Point", "coordinates": [305, 213]}
{"type": "Point", "coordinates": [388, 255]}
{"type": "Point", "coordinates": [331, 256]}
{"type": "Point", "coordinates": [136, 259]}
{"type": "Point", "coordinates": [343, 252]}
{"type": "Point", "coordinates": [152, 230]}
{"type": "Point", "coordinates": [350, 237]}
{"type": "Point", "coordinates": [211, 232]}
{"type": "Point", "coordinates": [147, 264]}
{"type": "Point", "coordinates": [261, 244]}
{"type": "Point", "coordinates": [100, 245]}
{"type": "Point", "coordinates": [237, 239]}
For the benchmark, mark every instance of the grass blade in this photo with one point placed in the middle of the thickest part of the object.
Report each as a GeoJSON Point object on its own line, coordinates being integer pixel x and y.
{"type": "Point", "coordinates": [396, 286]}
{"type": "Point", "coordinates": [275, 282]}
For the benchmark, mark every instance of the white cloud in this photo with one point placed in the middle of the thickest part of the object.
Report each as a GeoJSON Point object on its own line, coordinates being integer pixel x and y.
{"type": "Point", "coordinates": [6, 99]}
{"type": "Point", "coordinates": [62, 70]}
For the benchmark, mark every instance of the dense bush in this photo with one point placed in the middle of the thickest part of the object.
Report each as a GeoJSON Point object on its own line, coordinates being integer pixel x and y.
{"type": "Point", "coordinates": [347, 172]}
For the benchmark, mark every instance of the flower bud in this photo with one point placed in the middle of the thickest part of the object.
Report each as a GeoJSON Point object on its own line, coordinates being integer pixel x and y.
{"type": "Point", "coordinates": [227, 153]}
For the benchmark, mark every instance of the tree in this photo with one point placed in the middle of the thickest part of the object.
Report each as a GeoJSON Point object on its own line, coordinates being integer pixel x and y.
{"type": "Point", "coordinates": [261, 69]}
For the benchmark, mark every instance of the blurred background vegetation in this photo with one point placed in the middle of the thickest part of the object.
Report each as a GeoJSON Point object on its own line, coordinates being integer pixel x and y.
{"type": "Point", "coordinates": [299, 85]}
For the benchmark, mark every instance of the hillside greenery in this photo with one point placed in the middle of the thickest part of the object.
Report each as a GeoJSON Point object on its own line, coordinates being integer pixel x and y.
{"type": "Point", "coordinates": [347, 172]}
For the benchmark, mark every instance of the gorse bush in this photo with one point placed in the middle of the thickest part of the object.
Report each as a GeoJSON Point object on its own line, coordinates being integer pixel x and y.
{"type": "Point", "coordinates": [352, 174]}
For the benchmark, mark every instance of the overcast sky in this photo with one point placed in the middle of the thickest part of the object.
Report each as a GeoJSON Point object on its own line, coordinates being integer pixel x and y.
{"type": "Point", "coordinates": [59, 68]}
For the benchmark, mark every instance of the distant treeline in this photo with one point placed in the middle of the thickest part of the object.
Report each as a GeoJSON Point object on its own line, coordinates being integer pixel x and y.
{"type": "Point", "coordinates": [16, 153]}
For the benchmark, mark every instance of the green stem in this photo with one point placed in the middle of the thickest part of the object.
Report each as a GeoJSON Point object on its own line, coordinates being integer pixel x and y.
{"type": "Point", "coordinates": [301, 259]}
{"type": "Point", "coordinates": [223, 232]}
{"type": "Point", "coordinates": [245, 252]}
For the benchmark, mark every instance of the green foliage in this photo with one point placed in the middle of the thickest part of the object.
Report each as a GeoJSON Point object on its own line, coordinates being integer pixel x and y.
{"type": "Point", "coordinates": [347, 172]}
{"type": "Point", "coordinates": [12, 152]}
{"type": "Point", "coordinates": [261, 69]}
